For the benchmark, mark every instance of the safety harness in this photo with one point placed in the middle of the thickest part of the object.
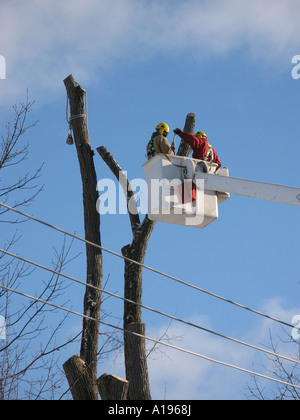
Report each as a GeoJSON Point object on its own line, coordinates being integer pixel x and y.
{"type": "Point", "coordinates": [210, 154]}
{"type": "Point", "coordinates": [150, 148]}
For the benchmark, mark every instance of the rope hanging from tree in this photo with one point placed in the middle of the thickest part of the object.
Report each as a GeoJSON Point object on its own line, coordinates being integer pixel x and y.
{"type": "Point", "coordinates": [70, 140]}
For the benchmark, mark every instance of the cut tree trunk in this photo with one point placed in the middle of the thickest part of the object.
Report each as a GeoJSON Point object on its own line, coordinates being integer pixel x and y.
{"type": "Point", "coordinates": [79, 379]}
{"type": "Point", "coordinates": [92, 299]}
{"type": "Point", "coordinates": [189, 127]}
{"type": "Point", "coordinates": [112, 387]}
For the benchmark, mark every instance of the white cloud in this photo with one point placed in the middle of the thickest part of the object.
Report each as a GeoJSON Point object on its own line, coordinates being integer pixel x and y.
{"type": "Point", "coordinates": [44, 41]}
{"type": "Point", "coordinates": [175, 375]}
{"type": "Point", "coordinates": [188, 377]}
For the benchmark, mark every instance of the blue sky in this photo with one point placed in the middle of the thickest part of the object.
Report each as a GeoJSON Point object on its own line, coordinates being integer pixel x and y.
{"type": "Point", "coordinates": [144, 62]}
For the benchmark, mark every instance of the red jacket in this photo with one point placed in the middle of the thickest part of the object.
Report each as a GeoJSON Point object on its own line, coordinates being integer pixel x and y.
{"type": "Point", "coordinates": [200, 147]}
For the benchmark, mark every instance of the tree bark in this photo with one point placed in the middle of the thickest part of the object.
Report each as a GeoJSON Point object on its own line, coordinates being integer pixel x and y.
{"type": "Point", "coordinates": [141, 232]}
{"type": "Point", "coordinates": [136, 365]}
{"type": "Point", "coordinates": [79, 379]}
{"type": "Point", "coordinates": [135, 361]}
{"type": "Point", "coordinates": [189, 127]}
{"type": "Point", "coordinates": [92, 298]}
{"type": "Point", "coordinates": [112, 387]}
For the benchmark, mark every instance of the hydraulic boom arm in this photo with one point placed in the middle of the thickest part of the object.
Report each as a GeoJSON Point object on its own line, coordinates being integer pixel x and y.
{"type": "Point", "coordinates": [255, 189]}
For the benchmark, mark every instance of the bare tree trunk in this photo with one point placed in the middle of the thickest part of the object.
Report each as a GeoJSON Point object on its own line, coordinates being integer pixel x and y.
{"type": "Point", "coordinates": [92, 299]}
{"type": "Point", "coordinates": [135, 363]}
{"type": "Point", "coordinates": [135, 360]}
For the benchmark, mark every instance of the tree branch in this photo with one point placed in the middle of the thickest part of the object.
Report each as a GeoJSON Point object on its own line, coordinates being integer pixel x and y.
{"type": "Point", "coordinates": [125, 183]}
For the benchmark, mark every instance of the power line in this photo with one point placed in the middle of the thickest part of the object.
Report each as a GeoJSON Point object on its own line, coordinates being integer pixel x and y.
{"type": "Point", "coordinates": [150, 268]}
{"type": "Point", "coordinates": [150, 309]}
{"type": "Point", "coordinates": [150, 338]}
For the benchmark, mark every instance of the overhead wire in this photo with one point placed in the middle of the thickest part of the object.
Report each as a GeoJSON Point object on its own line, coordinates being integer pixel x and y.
{"type": "Point", "coordinates": [151, 339]}
{"type": "Point", "coordinates": [149, 308]}
{"type": "Point", "coordinates": [161, 273]}
{"type": "Point", "coordinates": [150, 268]}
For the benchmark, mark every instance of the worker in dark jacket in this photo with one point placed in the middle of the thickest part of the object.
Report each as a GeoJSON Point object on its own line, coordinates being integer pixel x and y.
{"type": "Point", "coordinates": [159, 142]}
{"type": "Point", "coordinates": [202, 150]}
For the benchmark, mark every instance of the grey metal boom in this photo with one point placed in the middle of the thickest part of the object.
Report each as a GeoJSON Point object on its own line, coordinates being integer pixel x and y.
{"type": "Point", "coordinates": [248, 188]}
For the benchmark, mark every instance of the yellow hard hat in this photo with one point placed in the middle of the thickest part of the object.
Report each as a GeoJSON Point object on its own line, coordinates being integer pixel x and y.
{"type": "Point", "coordinates": [162, 127]}
{"type": "Point", "coordinates": [200, 134]}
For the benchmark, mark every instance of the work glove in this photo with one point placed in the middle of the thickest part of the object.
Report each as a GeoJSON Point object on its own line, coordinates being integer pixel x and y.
{"type": "Point", "coordinates": [177, 131]}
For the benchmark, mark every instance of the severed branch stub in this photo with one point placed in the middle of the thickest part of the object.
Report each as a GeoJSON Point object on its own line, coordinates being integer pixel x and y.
{"type": "Point", "coordinates": [112, 387]}
{"type": "Point", "coordinates": [184, 148]}
{"type": "Point", "coordinates": [79, 379]}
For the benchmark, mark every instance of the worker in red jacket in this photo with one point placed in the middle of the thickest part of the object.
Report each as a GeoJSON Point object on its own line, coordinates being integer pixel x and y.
{"type": "Point", "coordinates": [202, 150]}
